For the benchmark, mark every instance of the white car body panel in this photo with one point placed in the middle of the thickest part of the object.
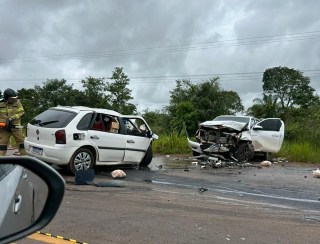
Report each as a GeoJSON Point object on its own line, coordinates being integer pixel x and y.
{"type": "Point", "coordinates": [111, 146]}
{"type": "Point", "coordinates": [267, 141]}
{"type": "Point", "coordinates": [136, 148]}
{"type": "Point", "coordinates": [218, 124]}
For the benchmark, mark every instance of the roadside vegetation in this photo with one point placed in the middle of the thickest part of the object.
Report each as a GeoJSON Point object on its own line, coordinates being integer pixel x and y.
{"type": "Point", "coordinates": [287, 94]}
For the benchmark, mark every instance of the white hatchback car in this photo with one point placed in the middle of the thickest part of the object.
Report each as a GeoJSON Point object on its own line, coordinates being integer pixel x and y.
{"type": "Point", "coordinates": [82, 137]}
{"type": "Point", "coordinates": [238, 137]}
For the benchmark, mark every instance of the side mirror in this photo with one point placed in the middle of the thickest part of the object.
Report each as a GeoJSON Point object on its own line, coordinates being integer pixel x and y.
{"type": "Point", "coordinates": [31, 192]}
{"type": "Point", "coordinates": [257, 127]}
{"type": "Point", "coordinates": [155, 137]}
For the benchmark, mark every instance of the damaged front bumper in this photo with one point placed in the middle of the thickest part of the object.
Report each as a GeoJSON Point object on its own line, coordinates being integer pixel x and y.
{"type": "Point", "coordinates": [228, 141]}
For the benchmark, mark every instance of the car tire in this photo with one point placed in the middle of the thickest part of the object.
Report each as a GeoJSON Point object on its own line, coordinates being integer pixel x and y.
{"type": "Point", "coordinates": [147, 157]}
{"type": "Point", "coordinates": [82, 159]}
{"type": "Point", "coordinates": [245, 152]}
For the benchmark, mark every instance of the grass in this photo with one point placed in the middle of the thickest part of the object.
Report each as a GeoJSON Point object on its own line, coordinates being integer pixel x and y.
{"type": "Point", "coordinates": [174, 143]}
{"type": "Point", "coordinates": [300, 152]}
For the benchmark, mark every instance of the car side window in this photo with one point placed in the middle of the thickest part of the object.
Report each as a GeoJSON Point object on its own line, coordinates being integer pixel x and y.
{"type": "Point", "coordinates": [270, 124]}
{"type": "Point", "coordinates": [84, 123]}
{"type": "Point", "coordinates": [135, 127]}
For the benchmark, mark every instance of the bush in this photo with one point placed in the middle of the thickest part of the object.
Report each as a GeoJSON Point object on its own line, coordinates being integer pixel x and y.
{"type": "Point", "coordinates": [173, 143]}
{"type": "Point", "coordinates": [300, 152]}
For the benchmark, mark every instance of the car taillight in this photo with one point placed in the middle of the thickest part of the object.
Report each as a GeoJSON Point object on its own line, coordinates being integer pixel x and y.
{"type": "Point", "coordinates": [60, 137]}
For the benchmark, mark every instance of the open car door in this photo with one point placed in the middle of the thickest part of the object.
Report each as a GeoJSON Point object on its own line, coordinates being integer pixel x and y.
{"type": "Point", "coordinates": [138, 138]}
{"type": "Point", "coordinates": [267, 135]}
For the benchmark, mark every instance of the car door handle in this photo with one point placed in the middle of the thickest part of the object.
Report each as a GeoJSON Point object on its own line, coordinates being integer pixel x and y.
{"type": "Point", "coordinates": [94, 137]}
{"type": "Point", "coordinates": [275, 135]}
{"type": "Point", "coordinates": [17, 204]}
{"type": "Point", "coordinates": [130, 141]}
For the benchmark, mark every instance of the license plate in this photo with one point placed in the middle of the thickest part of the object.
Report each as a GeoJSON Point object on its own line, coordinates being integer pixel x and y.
{"type": "Point", "coordinates": [36, 150]}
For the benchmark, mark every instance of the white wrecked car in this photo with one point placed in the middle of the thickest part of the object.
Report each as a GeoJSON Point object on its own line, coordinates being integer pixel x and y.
{"type": "Point", "coordinates": [237, 137]}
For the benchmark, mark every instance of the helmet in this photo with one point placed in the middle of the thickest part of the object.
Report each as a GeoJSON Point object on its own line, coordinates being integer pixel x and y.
{"type": "Point", "coordinates": [9, 93]}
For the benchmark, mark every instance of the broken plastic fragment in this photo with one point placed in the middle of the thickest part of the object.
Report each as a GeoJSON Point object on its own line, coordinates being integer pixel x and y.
{"type": "Point", "coordinates": [118, 174]}
{"type": "Point", "coordinates": [266, 163]}
{"type": "Point", "coordinates": [316, 173]}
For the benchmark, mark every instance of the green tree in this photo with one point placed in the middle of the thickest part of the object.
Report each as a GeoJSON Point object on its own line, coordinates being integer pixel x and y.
{"type": "Point", "coordinates": [120, 94]}
{"type": "Point", "coordinates": [267, 107]}
{"type": "Point", "coordinates": [53, 93]}
{"type": "Point", "coordinates": [95, 93]}
{"type": "Point", "coordinates": [290, 86]}
{"type": "Point", "coordinates": [158, 121]}
{"type": "Point", "coordinates": [200, 102]}
{"type": "Point", "coordinates": [29, 100]}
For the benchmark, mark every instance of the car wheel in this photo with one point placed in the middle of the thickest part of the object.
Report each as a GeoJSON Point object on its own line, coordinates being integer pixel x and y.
{"type": "Point", "coordinates": [245, 152]}
{"type": "Point", "coordinates": [82, 159]}
{"type": "Point", "coordinates": [147, 157]}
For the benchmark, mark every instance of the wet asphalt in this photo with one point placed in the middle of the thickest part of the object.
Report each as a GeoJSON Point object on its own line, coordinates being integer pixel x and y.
{"type": "Point", "coordinates": [285, 184]}
{"type": "Point", "coordinates": [180, 200]}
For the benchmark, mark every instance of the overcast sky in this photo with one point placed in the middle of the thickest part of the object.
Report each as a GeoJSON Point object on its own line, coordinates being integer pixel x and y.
{"type": "Point", "coordinates": [157, 42]}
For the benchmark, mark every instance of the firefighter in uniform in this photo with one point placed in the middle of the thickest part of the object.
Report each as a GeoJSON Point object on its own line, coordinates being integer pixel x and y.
{"type": "Point", "coordinates": [11, 111]}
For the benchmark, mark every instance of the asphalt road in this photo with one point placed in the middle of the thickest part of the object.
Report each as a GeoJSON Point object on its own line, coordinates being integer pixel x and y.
{"type": "Point", "coordinates": [175, 201]}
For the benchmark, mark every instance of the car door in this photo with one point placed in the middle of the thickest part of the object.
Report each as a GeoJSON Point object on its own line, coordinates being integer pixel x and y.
{"type": "Point", "coordinates": [17, 199]}
{"type": "Point", "coordinates": [110, 143]}
{"type": "Point", "coordinates": [267, 135]}
{"type": "Point", "coordinates": [137, 139]}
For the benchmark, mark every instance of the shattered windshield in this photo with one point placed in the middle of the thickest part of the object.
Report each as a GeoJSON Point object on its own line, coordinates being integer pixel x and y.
{"type": "Point", "coordinates": [233, 118]}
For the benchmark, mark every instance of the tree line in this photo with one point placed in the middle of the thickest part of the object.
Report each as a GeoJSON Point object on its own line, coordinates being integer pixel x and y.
{"type": "Point", "coordinates": [286, 94]}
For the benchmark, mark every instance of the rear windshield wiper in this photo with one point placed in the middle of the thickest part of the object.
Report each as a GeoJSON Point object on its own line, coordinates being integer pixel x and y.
{"type": "Point", "coordinates": [48, 122]}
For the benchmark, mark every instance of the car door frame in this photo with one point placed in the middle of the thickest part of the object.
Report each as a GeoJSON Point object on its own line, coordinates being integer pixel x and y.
{"type": "Point", "coordinates": [136, 144]}
{"type": "Point", "coordinates": [267, 140]}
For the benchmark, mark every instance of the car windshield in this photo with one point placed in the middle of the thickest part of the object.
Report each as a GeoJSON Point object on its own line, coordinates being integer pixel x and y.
{"type": "Point", "coordinates": [53, 118]}
{"type": "Point", "coordinates": [233, 118]}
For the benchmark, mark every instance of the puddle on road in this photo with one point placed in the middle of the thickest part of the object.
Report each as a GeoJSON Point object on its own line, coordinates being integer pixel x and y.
{"type": "Point", "coordinates": [169, 162]}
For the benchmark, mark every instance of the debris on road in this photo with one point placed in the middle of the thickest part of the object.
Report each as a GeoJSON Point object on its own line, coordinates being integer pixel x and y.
{"type": "Point", "coordinates": [201, 189]}
{"type": "Point", "coordinates": [266, 163]}
{"type": "Point", "coordinates": [118, 174]}
{"type": "Point", "coordinates": [316, 173]}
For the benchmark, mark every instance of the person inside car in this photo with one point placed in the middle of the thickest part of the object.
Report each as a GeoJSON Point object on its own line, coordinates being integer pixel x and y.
{"type": "Point", "coordinates": [98, 124]}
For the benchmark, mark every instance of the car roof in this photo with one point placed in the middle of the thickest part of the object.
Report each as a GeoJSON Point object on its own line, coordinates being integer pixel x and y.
{"type": "Point", "coordinates": [241, 116]}
{"type": "Point", "coordinates": [78, 109]}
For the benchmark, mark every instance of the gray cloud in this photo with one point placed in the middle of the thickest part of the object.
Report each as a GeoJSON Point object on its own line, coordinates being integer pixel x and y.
{"type": "Point", "coordinates": [149, 38]}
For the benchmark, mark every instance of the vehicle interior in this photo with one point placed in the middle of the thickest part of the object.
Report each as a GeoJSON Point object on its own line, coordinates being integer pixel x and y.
{"type": "Point", "coordinates": [107, 123]}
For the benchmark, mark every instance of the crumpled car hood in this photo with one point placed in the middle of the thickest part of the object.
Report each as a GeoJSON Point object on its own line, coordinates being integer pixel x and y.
{"type": "Point", "coordinates": [238, 126]}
